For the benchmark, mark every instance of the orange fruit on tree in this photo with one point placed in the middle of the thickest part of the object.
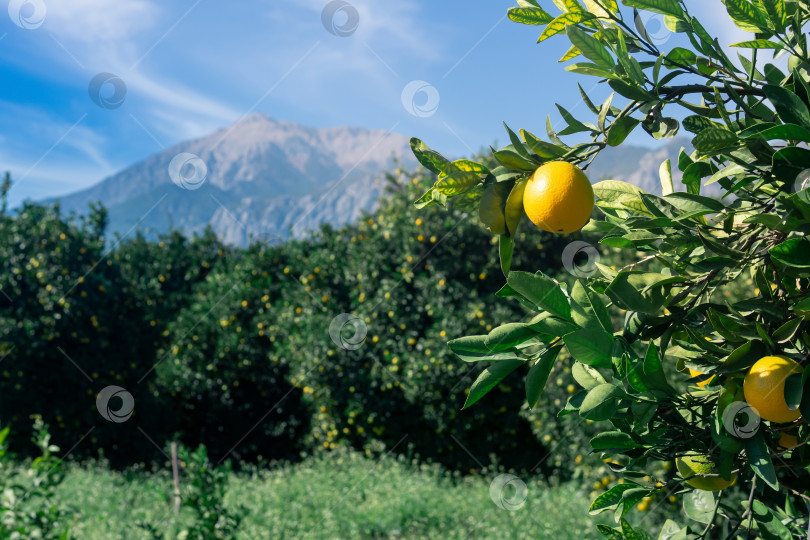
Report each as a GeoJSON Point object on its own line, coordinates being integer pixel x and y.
{"type": "Point", "coordinates": [764, 388]}
{"type": "Point", "coordinates": [693, 373]}
{"type": "Point", "coordinates": [787, 441]}
{"type": "Point", "coordinates": [558, 197]}
{"type": "Point", "coordinates": [701, 472]}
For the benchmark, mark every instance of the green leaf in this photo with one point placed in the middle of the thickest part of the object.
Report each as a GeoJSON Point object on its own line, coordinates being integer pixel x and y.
{"type": "Point", "coordinates": [598, 7]}
{"type": "Point", "coordinates": [794, 252]}
{"type": "Point", "coordinates": [538, 375]}
{"type": "Point", "coordinates": [699, 505]}
{"type": "Point", "coordinates": [786, 332]}
{"type": "Point", "coordinates": [629, 91]}
{"type": "Point", "coordinates": [586, 376]}
{"type": "Point", "coordinates": [672, 531]}
{"type": "Point", "coordinates": [599, 403]}
{"type": "Point", "coordinates": [756, 450]}
{"type": "Point", "coordinates": [635, 291]}
{"type": "Point", "coordinates": [610, 498]}
{"type": "Point", "coordinates": [489, 378]}
{"type": "Point", "coordinates": [573, 125]}
{"type": "Point", "coordinates": [692, 203]}
{"type": "Point", "coordinates": [547, 324]}
{"type": "Point", "coordinates": [776, 12]}
{"type": "Point", "coordinates": [559, 23]}
{"type": "Point", "coordinates": [591, 346]}
{"type": "Point", "coordinates": [660, 127]}
{"type": "Point", "coordinates": [529, 15]}
{"type": "Point", "coordinates": [588, 310]}
{"type": "Point", "coordinates": [653, 371]}
{"type": "Point", "coordinates": [769, 525]}
{"type": "Point", "coordinates": [746, 16]}
{"type": "Point", "coordinates": [587, 100]}
{"type": "Point", "coordinates": [491, 209]}
{"type": "Point", "coordinates": [430, 159]}
{"type": "Point", "coordinates": [616, 191]}
{"type": "Point", "coordinates": [542, 148]}
{"type": "Point", "coordinates": [681, 56]}
{"type": "Point", "coordinates": [456, 183]}
{"type": "Point", "coordinates": [508, 335]}
{"type": "Point", "coordinates": [789, 107]}
{"type": "Point", "coordinates": [542, 291]}
{"type": "Point", "coordinates": [620, 129]}
{"type": "Point", "coordinates": [587, 68]}
{"type": "Point", "coordinates": [505, 247]}
{"type": "Point", "coordinates": [696, 123]}
{"type": "Point", "coordinates": [475, 349]}
{"type": "Point", "coordinates": [665, 174]}
{"type": "Point", "coordinates": [792, 132]}
{"type": "Point", "coordinates": [633, 534]}
{"type": "Point", "coordinates": [613, 440]}
{"type": "Point", "coordinates": [590, 47]}
{"type": "Point", "coordinates": [758, 44]}
{"type": "Point", "coordinates": [793, 391]}
{"type": "Point", "coordinates": [514, 161]}
{"type": "Point", "coordinates": [744, 356]}
{"type": "Point", "coordinates": [664, 7]}
{"type": "Point", "coordinates": [513, 211]}
{"type": "Point", "coordinates": [713, 140]}
{"type": "Point", "coordinates": [804, 406]}
{"type": "Point", "coordinates": [610, 534]}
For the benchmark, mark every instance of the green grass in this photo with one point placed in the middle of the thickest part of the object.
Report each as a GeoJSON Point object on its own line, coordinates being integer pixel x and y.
{"type": "Point", "coordinates": [341, 495]}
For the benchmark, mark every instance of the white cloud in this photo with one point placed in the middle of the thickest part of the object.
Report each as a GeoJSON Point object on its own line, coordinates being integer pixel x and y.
{"type": "Point", "coordinates": [96, 21]}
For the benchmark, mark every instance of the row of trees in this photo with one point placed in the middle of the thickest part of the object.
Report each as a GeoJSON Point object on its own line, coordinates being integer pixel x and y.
{"type": "Point", "coordinates": [244, 350]}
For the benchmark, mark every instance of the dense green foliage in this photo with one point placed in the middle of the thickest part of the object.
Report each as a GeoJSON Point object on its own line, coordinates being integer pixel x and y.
{"type": "Point", "coordinates": [751, 126]}
{"type": "Point", "coordinates": [231, 348]}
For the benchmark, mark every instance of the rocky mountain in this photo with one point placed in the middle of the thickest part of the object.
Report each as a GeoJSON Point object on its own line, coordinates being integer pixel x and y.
{"type": "Point", "coordinates": [639, 165]}
{"type": "Point", "coordinates": [268, 180]}
{"type": "Point", "coordinates": [259, 178]}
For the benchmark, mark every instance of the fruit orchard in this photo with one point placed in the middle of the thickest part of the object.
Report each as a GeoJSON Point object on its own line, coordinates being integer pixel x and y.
{"type": "Point", "coordinates": [736, 434]}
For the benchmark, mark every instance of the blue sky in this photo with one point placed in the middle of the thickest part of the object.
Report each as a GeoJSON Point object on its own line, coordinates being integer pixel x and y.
{"type": "Point", "coordinates": [191, 66]}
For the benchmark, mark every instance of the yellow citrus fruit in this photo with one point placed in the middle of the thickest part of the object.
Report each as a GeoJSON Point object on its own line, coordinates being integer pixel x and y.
{"type": "Point", "coordinates": [696, 469]}
{"type": "Point", "coordinates": [693, 373]}
{"type": "Point", "coordinates": [764, 388]}
{"type": "Point", "coordinates": [787, 440]}
{"type": "Point", "coordinates": [558, 197]}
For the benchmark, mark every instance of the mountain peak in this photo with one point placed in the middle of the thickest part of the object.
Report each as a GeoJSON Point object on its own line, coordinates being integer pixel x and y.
{"type": "Point", "coordinates": [259, 173]}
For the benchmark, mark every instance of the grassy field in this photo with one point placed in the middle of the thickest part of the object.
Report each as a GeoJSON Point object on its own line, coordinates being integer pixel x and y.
{"type": "Point", "coordinates": [337, 496]}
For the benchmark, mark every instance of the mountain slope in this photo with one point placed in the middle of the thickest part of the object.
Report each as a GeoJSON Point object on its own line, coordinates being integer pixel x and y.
{"type": "Point", "coordinates": [263, 176]}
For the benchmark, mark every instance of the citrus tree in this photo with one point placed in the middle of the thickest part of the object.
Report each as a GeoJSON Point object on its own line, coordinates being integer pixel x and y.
{"type": "Point", "coordinates": [713, 386]}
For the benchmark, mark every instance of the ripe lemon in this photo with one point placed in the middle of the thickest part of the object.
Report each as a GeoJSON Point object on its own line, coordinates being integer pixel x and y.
{"type": "Point", "coordinates": [764, 388]}
{"type": "Point", "coordinates": [558, 197]}
{"type": "Point", "coordinates": [695, 467]}
{"type": "Point", "coordinates": [693, 373]}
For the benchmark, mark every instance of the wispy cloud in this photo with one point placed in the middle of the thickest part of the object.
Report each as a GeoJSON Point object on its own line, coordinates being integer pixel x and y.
{"type": "Point", "coordinates": [101, 22]}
